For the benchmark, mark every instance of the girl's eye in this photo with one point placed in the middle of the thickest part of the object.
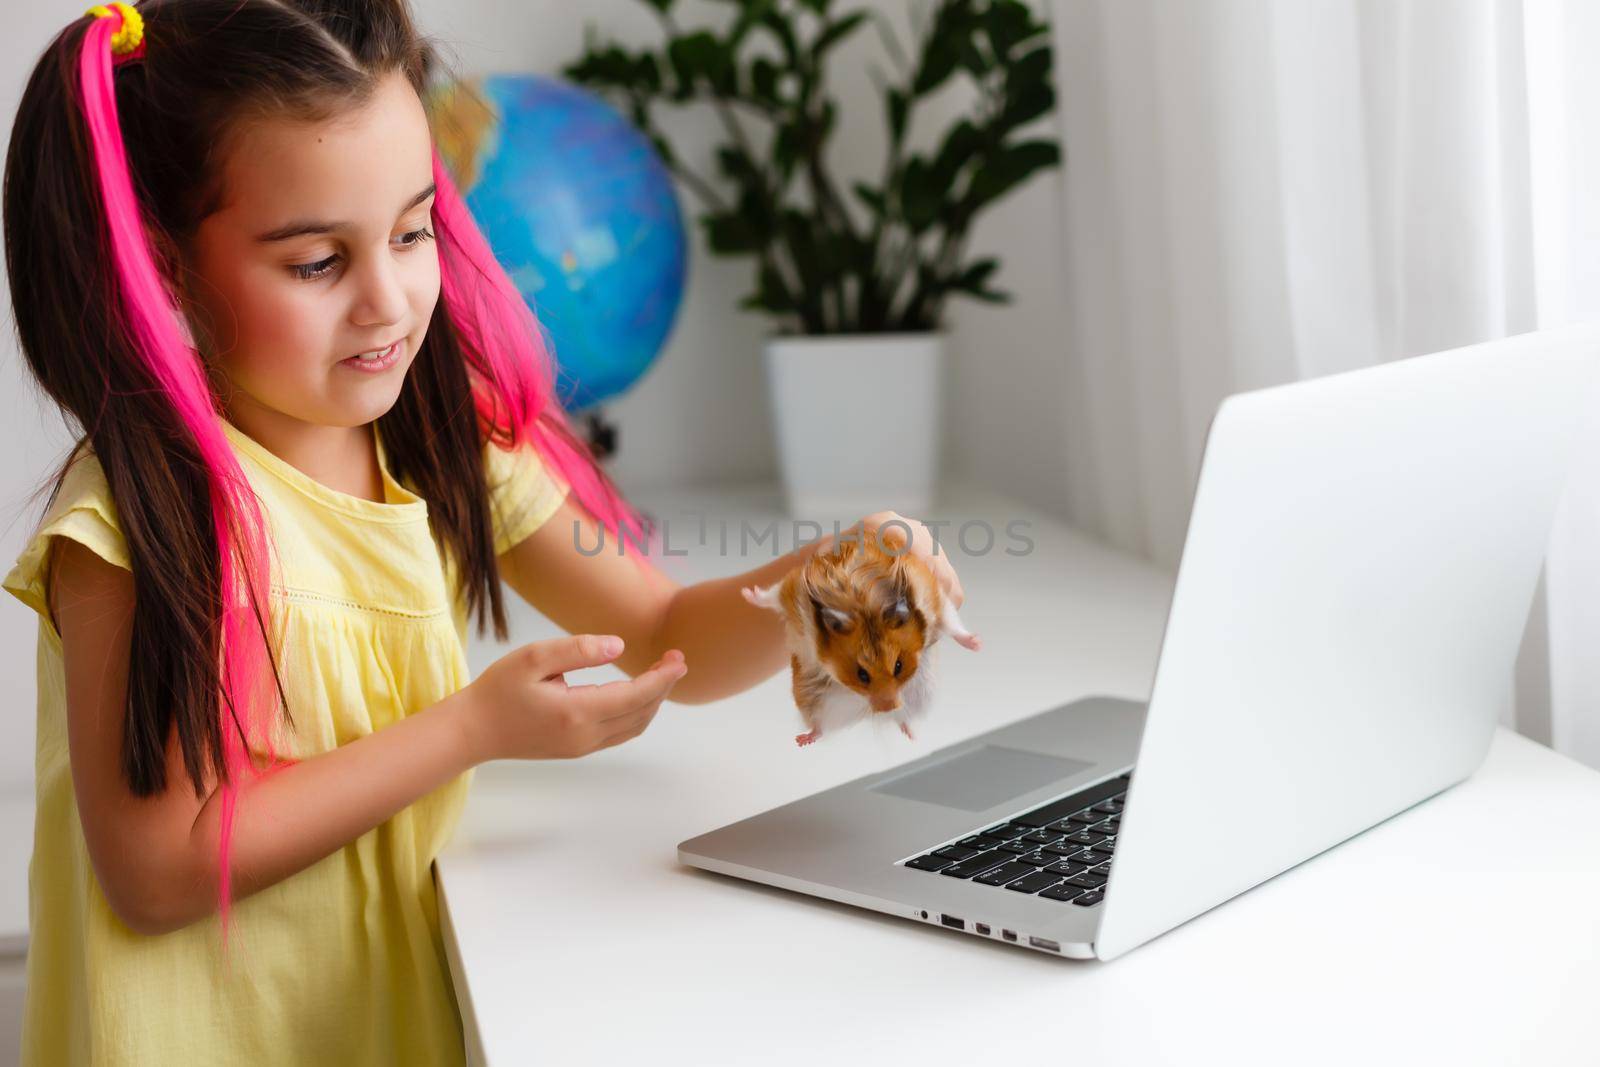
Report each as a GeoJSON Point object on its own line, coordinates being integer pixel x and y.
{"type": "Point", "coordinates": [861, 672]}
{"type": "Point", "coordinates": [308, 271]}
{"type": "Point", "coordinates": [417, 237]}
{"type": "Point", "coordinates": [897, 668]}
{"type": "Point", "coordinates": [313, 271]}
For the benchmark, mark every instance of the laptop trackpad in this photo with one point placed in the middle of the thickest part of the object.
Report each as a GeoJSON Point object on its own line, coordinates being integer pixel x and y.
{"type": "Point", "coordinates": [981, 778]}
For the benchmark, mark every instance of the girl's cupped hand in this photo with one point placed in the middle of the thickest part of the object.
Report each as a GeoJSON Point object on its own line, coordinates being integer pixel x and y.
{"type": "Point", "coordinates": [521, 706]}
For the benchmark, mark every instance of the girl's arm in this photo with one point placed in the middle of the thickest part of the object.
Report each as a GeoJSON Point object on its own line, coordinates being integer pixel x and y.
{"type": "Point", "coordinates": [156, 857]}
{"type": "Point", "coordinates": [730, 644]}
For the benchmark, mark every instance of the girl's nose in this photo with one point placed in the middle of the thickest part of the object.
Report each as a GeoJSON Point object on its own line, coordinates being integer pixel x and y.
{"type": "Point", "coordinates": [381, 299]}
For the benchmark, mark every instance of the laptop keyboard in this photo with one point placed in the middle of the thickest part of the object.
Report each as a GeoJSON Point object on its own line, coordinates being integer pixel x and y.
{"type": "Point", "coordinates": [1060, 851]}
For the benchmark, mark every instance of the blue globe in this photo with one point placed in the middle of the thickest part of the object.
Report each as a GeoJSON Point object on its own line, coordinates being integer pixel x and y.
{"type": "Point", "coordinates": [581, 212]}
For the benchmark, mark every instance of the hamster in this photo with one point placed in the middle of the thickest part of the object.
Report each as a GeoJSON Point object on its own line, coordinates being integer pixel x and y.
{"type": "Point", "coordinates": [861, 623]}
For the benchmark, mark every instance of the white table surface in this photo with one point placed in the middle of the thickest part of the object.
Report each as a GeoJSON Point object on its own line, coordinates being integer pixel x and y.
{"type": "Point", "coordinates": [1466, 930]}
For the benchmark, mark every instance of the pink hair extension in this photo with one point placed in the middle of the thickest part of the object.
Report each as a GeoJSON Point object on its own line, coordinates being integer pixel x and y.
{"type": "Point", "coordinates": [511, 366]}
{"type": "Point", "coordinates": [513, 378]}
{"type": "Point", "coordinates": [147, 315]}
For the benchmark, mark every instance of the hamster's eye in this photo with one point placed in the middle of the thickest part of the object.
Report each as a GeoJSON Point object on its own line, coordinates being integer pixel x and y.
{"type": "Point", "coordinates": [897, 667]}
{"type": "Point", "coordinates": [861, 672]}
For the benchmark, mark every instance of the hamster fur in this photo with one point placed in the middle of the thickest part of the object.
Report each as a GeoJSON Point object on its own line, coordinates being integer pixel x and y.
{"type": "Point", "coordinates": [852, 614]}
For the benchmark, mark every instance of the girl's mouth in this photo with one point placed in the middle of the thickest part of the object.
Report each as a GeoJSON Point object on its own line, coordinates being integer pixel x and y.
{"type": "Point", "coordinates": [373, 364]}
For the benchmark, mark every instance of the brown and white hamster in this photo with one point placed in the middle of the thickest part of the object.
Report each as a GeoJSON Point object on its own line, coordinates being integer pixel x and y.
{"type": "Point", "coordinates": [861, 623]}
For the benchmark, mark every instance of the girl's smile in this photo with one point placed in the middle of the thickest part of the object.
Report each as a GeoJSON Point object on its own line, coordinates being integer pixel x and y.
{"type": "Point", "coordinates": [376, 362]}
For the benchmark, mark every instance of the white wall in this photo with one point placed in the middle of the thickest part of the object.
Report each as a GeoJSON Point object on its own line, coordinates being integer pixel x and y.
{"type": "Point", "coordinates": [701, 412]}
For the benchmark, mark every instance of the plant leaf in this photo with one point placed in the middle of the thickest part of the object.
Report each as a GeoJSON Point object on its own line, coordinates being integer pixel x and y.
{"type": "Point", "coordinates": [764, 82]}
{"type": "Point", "coordinates": [788, 146]}
{"type": "Point", "coordinates": [898, 106]}
{"type": "Point", "coordinates": [976, 273]}
{"type": "Point", "coordinates": [922, 198]}
{"type": "Point", "coordinates": [771, 294]}
{"type": "Point", "coordinates": [938, 63]}
{"type": "Point", "coordinates": [1025, 106]}
{"type": "Point", "coordinates": [700, 56]}
{"type": "Point", "coordinates": [1006, 169]}
{"type": "Point", "coordinates": [961, 144]}
{"type": "Point", "coordinates": [835, 32]}
{"type": "Point", "coordinates": [729, 234]}
{"type": "Point", "coordinates": [1007, 23]}
{"type": "Point", "coordinates": [869, 196]}
{"type": "Point", "coordinates": [750, 14]}
{"type": "Point", "coordinates": [778, 25]}
{"type": "Point", "coordinates": [974, 60]}
{"type": "Point", "coordinates": [1033, 66]}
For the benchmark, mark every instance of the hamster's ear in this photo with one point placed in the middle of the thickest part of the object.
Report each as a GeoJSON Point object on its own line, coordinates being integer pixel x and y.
{"type": "Point", "coordinates": [898, 613]}
{"type": "Point", "coordinates": [768, 597]}
{"type": "Point", "coordinates": [836, 621]}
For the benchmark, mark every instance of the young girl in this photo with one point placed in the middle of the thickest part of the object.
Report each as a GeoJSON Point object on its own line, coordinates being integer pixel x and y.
{"type": "Point", "coordinates": [317, 430]}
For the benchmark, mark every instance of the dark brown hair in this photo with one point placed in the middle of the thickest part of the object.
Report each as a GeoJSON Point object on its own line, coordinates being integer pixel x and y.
{"type": "Point", "coordinates": [208, 65]}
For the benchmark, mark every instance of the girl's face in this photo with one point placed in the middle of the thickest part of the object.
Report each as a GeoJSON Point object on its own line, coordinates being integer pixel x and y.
{"type": "Point", "coordinates": [322, 251]}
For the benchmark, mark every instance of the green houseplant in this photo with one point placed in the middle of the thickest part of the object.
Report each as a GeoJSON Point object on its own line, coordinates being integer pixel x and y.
{"type": "Point", "coordinates": [865, 270]}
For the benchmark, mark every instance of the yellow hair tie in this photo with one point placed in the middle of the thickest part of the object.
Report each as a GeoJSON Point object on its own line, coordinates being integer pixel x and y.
{"type": "Point", "coordinates": [130, 35]}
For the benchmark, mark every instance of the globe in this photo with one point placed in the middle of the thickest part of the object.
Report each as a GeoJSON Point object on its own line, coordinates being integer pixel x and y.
{"type": "Point", "coordinates": [581, 212]}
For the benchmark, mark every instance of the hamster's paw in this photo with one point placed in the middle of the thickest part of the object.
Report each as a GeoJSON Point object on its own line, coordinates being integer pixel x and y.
{"type": "Point", "coordinates": [950, 622]}
{"type": "Point", "coordinates": [906, 729]}
{"type": "Point", "coordinates": [764, 597]}
{"type": "Point", "coordinates": [805, 739]}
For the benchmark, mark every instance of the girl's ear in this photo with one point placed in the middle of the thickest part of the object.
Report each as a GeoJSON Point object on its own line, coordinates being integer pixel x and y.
{"type": "Point", "coordinates": [178, 281]}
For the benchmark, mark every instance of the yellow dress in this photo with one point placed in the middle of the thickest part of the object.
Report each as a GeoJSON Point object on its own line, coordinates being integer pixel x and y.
{"type": "Point", "coordinates": [342, 963]}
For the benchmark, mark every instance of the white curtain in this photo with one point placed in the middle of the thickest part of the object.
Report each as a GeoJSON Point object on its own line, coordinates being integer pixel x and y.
{"type": "Point", "coordinates": [1259, 191]}
{"type": "Point", "coordinates": [1564, 113]}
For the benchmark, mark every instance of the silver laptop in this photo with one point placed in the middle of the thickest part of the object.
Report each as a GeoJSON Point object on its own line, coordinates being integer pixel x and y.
{"type": "Point", "coordinates": [1359, 565]}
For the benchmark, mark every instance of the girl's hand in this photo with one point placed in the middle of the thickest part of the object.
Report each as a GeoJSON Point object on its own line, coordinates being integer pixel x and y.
{"type": "Point", "coordinates": [521, 707]}
{"type": "Point", "coordinates": [922, 544]}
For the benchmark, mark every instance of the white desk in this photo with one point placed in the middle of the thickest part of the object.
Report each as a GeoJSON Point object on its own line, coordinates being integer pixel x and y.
{"type": "Point", "coordinates": [1466, 930]}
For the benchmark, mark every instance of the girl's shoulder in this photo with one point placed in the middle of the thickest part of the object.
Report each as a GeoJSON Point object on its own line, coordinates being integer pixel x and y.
{"type": "Point", "coordinates": [82, 509]}
{"type": "Point", "coordinates": [523, 492]}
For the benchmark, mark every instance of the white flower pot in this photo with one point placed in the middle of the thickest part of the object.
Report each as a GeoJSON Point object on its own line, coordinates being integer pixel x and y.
{"type": "Point", "coordinates": [857, 419]}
